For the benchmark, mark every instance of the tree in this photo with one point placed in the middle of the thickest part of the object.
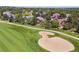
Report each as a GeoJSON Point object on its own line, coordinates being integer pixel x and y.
{"type": "Point", "coordinates": [54, 24]}
{"type": "Point", "coordinates": [77, 28]}
{"type": "Point", "coordinates": [68, 24]}
{"type": "Point", "coordinates": [32, 21]}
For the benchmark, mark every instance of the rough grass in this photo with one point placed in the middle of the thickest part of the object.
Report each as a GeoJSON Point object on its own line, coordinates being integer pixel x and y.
{"type": "Point", "coordinates": [68, 32]}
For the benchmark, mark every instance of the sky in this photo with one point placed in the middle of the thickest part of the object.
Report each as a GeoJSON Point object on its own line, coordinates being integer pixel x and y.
{"type": "Point", "coordinates": [40, 3]}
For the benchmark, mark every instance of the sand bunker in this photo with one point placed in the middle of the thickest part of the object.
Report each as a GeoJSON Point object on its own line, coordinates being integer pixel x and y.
{"type": "Point", "coordinates": [54, 44]}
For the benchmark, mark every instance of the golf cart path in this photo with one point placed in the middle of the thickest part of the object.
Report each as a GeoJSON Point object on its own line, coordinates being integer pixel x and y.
{"type": "Point", "coordinates": [42, 29]}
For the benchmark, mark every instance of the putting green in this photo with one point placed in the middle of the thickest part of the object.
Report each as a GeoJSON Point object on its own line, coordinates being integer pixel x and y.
{"type": "Point", "coordinates": [20, 39]}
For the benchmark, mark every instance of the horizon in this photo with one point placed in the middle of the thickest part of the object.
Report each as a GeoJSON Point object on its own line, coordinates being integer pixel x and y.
{"type": "Point", "coordinates": [43, 6]}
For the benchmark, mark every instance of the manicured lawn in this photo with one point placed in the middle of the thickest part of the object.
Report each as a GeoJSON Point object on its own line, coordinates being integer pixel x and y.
{"type": "Point", "coordinates": [16, 38]}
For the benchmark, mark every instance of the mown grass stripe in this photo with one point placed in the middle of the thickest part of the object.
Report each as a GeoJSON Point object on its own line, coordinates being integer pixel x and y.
{"type": "Point", "coordinates": [31, 36]}
{"type": "Point", "coordinates": [3, 47]}
{"type": "Point", "coordinates": [6, 43]}
{"type": "Point", "coordinates": [12, 40]}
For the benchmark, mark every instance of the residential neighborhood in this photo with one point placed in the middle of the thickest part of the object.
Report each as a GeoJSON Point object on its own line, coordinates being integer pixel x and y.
{"type": "Point", "coordinates": [62, 17]}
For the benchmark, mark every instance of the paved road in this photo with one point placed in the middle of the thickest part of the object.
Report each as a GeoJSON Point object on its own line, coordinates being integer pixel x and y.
{"type": "Point", "coordinates": [67, 35]}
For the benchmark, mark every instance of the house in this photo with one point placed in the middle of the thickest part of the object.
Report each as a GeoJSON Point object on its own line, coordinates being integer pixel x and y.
{"type": "Point", "coordinates": [9, 16]}
{"type": "Point", "coordinates": [61, 19]}
{"type": "Point", "coordinates": [40, 19]}
{"type": "Point", "coordinates": [55, 16]}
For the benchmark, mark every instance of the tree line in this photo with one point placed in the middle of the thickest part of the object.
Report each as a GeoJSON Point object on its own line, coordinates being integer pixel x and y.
{"type": "Point", "coordinates": [59, 18]}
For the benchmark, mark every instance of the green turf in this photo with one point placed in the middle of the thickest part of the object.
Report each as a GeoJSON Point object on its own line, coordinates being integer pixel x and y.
{"type": "Point", "coordinates": [15, 38]}
{"type": "Point", "coordinates": [68, 32]}
{"type": "Point", "coordinates": [19, 39]}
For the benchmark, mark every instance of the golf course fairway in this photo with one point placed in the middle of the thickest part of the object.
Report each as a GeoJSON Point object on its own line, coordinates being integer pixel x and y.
{"type": "Point", "coordinates": [15, 38]}
{"type": "Point", "coordinates": [21, 39]}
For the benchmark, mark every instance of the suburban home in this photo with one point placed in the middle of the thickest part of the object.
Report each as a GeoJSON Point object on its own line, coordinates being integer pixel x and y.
{"type": "Point", "coordinates": [60, 19]}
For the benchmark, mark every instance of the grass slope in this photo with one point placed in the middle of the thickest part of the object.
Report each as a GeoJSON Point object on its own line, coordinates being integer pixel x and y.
{"type": "Point", "coordinates": [16, 38]}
